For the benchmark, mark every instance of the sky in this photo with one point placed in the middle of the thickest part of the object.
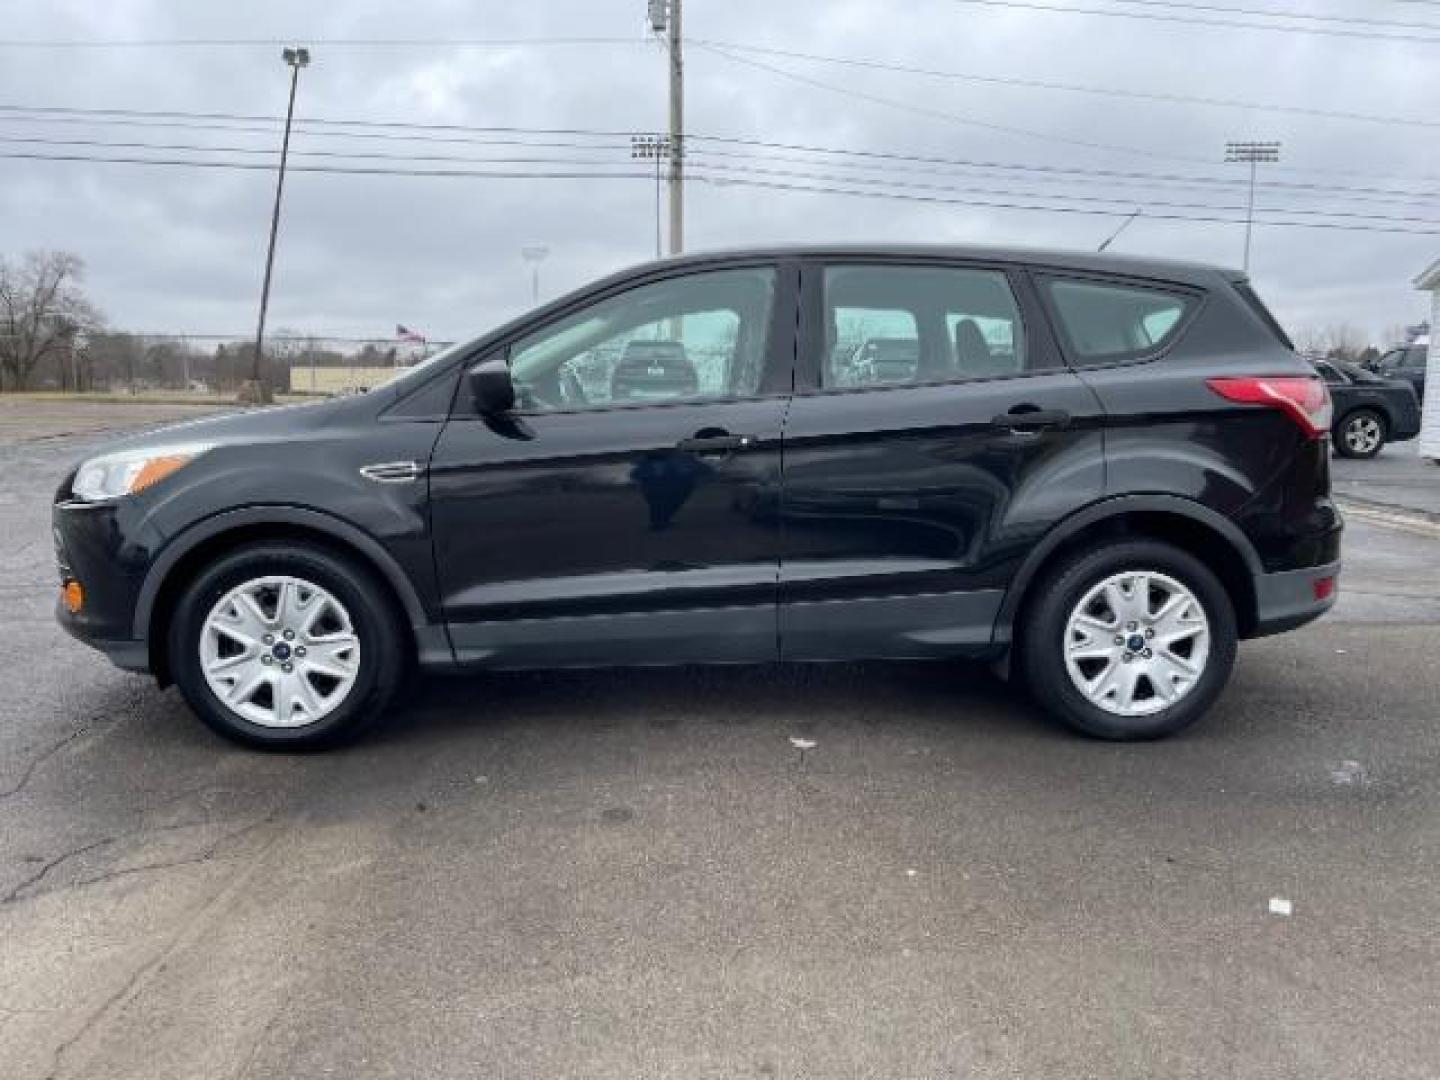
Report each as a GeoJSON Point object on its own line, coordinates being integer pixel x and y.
{"type": "Point", "coordinates": [181, 248]}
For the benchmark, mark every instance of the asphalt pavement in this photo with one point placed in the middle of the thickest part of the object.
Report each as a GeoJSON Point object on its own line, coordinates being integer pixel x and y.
{"type": "Point", "coordinates": [639, 874]}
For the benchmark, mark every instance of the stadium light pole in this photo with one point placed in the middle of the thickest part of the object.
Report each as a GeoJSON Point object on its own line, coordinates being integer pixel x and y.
{"type": "Point", "coordinates": [259, 390]}
{"type": "Point", "coordinates": [1251, 153]}
{"type": "Point", "coordinates": [652, 147]}
{"type": "Point", "coordinates": [534, 255]}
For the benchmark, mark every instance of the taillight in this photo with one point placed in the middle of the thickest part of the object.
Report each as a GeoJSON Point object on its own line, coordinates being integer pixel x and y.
{"type": "Point", "coordinates": [1304, 399]}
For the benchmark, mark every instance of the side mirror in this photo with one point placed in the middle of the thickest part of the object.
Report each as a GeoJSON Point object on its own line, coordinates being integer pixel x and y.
{"type": "Point", "coordinates": [491, 388]}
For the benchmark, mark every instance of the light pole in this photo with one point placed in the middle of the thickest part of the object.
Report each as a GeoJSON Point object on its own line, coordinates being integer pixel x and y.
{"type": "Point", "coordinates": [258, 390]}
{"type": "Point", "coordinates": [1251, 153]}
{"type": "Point", "coordinates": [534, 255]}
{"type": "Point", "coordinates": [652, 148]}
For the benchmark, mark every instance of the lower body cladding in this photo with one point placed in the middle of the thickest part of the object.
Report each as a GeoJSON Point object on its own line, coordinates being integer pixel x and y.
{"type": "Point", "coordinates": [900, 627]}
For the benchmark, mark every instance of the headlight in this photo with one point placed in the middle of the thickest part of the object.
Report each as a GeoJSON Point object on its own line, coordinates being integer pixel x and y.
{"type": "Point", "coordinates": [128, 471]}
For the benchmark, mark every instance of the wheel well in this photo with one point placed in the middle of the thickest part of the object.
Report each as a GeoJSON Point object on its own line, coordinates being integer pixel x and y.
{"type": "Point", "coordinates": [1207, 544]}
{"type": "Point", "coordinates": [213, 547]}
{"type": "Point", "coordinates": [1369, 406]}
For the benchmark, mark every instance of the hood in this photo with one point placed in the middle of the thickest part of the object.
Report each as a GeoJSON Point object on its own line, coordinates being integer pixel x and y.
{"type": "Point", "coordinates": [244, 425]}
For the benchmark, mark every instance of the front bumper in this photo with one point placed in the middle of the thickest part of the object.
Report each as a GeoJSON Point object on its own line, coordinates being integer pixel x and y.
{"type": "Point", "coordinates": [1291, 598]}
{"type": "Point", "coordinates": [106, 547]}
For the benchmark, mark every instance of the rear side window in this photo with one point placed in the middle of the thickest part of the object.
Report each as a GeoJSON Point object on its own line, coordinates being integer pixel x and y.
{"type": "Point", "coordinates": [1105, 323]}
{"type": "Point", "coordinates": [919, 324]}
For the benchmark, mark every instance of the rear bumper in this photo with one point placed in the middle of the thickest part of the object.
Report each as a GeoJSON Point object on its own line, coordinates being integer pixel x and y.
{"type": "Point", "coordinates": [1291, 598]}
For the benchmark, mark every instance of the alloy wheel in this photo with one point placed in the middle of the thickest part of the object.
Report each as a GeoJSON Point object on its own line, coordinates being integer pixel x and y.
{"type": "Point", "coordinates": [1363, 434]}
{"type": "Point", "coordinates": [1136, 643]}
{"type": "Point", "coordinates": [279, 651]}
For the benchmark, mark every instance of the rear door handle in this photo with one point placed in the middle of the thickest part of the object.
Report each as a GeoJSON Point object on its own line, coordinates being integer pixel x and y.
{"type": "Point", "coordinates": [1031, 421]}
{"type": "Point", "coordinates": [714, 444]}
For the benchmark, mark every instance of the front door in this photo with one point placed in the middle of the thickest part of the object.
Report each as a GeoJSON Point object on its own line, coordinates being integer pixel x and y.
{"type": "Point", "coordinates": [934, 437]}
{"type": "Point", "coordinates": [626, 511]}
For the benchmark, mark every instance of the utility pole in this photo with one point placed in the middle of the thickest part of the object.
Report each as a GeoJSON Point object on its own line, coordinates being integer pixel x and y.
{"type": "Point", "coordinates": [1251, 153]}
{"type": "Point", "coordinates": [258, 391]}
{"type": "Point", "coordinates": [665, 18]}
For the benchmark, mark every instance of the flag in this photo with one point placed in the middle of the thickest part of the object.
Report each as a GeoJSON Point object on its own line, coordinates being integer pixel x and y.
{"type": "Point", "coordinates": [404, 333]}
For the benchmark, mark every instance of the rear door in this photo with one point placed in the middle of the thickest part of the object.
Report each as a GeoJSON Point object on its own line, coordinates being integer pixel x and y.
{"type": "Point", "coordinates": [912, 492]}
{"type": "Point", "coordinates": [624, 512]}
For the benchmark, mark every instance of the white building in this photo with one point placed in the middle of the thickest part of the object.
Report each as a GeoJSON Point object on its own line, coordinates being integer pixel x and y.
{"type": "Point", "coordinates": [1429, 282]}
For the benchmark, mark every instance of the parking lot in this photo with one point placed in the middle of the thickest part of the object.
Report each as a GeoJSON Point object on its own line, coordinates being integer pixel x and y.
{"type": "Point", "coordinates": [638, 874]}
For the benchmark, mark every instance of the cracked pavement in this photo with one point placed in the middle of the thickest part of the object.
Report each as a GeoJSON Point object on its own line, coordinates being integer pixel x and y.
{"type": "Point", "coordinates": [624, 874]}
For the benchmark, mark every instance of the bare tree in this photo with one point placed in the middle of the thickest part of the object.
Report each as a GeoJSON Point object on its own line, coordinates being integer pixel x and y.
{"type": "Point", "coordinates": [42, 312]}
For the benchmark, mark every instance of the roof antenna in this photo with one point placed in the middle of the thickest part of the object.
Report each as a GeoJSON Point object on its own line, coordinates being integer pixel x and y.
{"type": "Point", "coordinates": [1123, 226]}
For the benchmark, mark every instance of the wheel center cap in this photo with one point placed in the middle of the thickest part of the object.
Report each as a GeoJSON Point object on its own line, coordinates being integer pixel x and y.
{"type": "Point", "coordinates": [281, 651]}
{"type": "Point", "coordinates": [1134, 644]}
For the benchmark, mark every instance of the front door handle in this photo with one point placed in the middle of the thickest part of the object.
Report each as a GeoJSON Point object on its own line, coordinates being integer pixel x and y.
{"type": "Point", "coordinates": [714, 444]}
{"type": "Point", "coordinates": [1031, 421]}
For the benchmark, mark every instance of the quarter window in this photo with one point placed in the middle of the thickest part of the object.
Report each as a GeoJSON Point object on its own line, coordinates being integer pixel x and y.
{"type": "Point", "coordinates": [683, 339]}
{"type": "Point", "coordinates": [911, 324]}
{"type": "Point", "coordinates": [1106, 323]}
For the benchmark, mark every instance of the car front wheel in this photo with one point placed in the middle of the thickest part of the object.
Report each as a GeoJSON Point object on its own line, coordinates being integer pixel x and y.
{"type": "Point", "coordinates": [1131, 641]}
{"type": "Point", "coordinates": [285, 646]}
{"type": "Point", "coordinates": [1361, 434]}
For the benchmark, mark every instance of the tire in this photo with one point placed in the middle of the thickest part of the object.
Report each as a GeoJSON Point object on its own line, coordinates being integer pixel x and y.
{"type": "Point", "coordinates": [1076, 587]}
{"type": "Point", "coordinates": [352, 634]}
{"type": "Point", "coordinates": [1361, 433]}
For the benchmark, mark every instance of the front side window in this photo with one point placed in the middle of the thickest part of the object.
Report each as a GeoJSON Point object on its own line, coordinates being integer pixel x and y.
{"type": "Point", "coordinates": [912, 324]}
{"type": "Point", "coordinates": [692, 338]}
{"type": "Point", "coordinates": [1106, 323]}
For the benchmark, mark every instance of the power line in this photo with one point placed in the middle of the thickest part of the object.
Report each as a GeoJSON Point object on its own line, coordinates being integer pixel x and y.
{"type": "Point", "coordinates": [956, 118]}
{"type": "Point", "coordinates": [530, 137]}
{"type": "Point", "coordinates": [1061, 197]}
{"type": "Point", "coordinates": [1037, 84]}
{"type": "Point", "coordinates": [1390, 223]}
{"type": "Point", "coordinates": [1147, 16]}
{"type": "Point", "coordinates": [270, 43]}
{"type": "Point", "coordinates": [702, 156]}
{"type": "Point", "coordinates": [996, 205]}
{"type": "Point", "coordinates": [257, 166]}
{"type": "Point", "coordinates": [939, 114]}
{"type": "Point", "coordinates": [1271, 13]}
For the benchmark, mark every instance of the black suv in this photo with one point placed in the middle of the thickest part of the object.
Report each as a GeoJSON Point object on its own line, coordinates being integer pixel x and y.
{"type": "Point", "coordinates": [1099, 475]}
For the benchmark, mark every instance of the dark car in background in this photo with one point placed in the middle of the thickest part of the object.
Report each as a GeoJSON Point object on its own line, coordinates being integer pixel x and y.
{"type": "Point", "coordinates": [1406, 363]}
{"type": "Point", "coordinates": [1098, 474]}
{"type": "Point", "coordinates": [1370, 410]}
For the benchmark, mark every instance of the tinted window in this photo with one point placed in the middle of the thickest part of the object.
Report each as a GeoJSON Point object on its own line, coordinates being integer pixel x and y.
{"type": "Point", "coordinates": [1415, 356]}
{"type": "Point", "coordinates": [1105, 323]}
{"type": "Point", "coordinates": [689, 338]}
{"type": "Point", "coordinates": [911, 324]}
{"type": "Point", "coordinates": [1329, 374]}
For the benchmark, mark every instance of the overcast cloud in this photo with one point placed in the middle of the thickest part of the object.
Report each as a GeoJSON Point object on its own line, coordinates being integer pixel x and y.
{"type": "Point", "coordinates": [182, 248]}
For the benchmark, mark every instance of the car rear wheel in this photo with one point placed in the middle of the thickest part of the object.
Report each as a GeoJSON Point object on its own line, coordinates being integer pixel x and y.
{"type": "Point", "coordinates": [1360, 434]}
{"type": "Point", "coordinates": [285, 646]}
{"type": "Point", "coordinates": [1135, 640]}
